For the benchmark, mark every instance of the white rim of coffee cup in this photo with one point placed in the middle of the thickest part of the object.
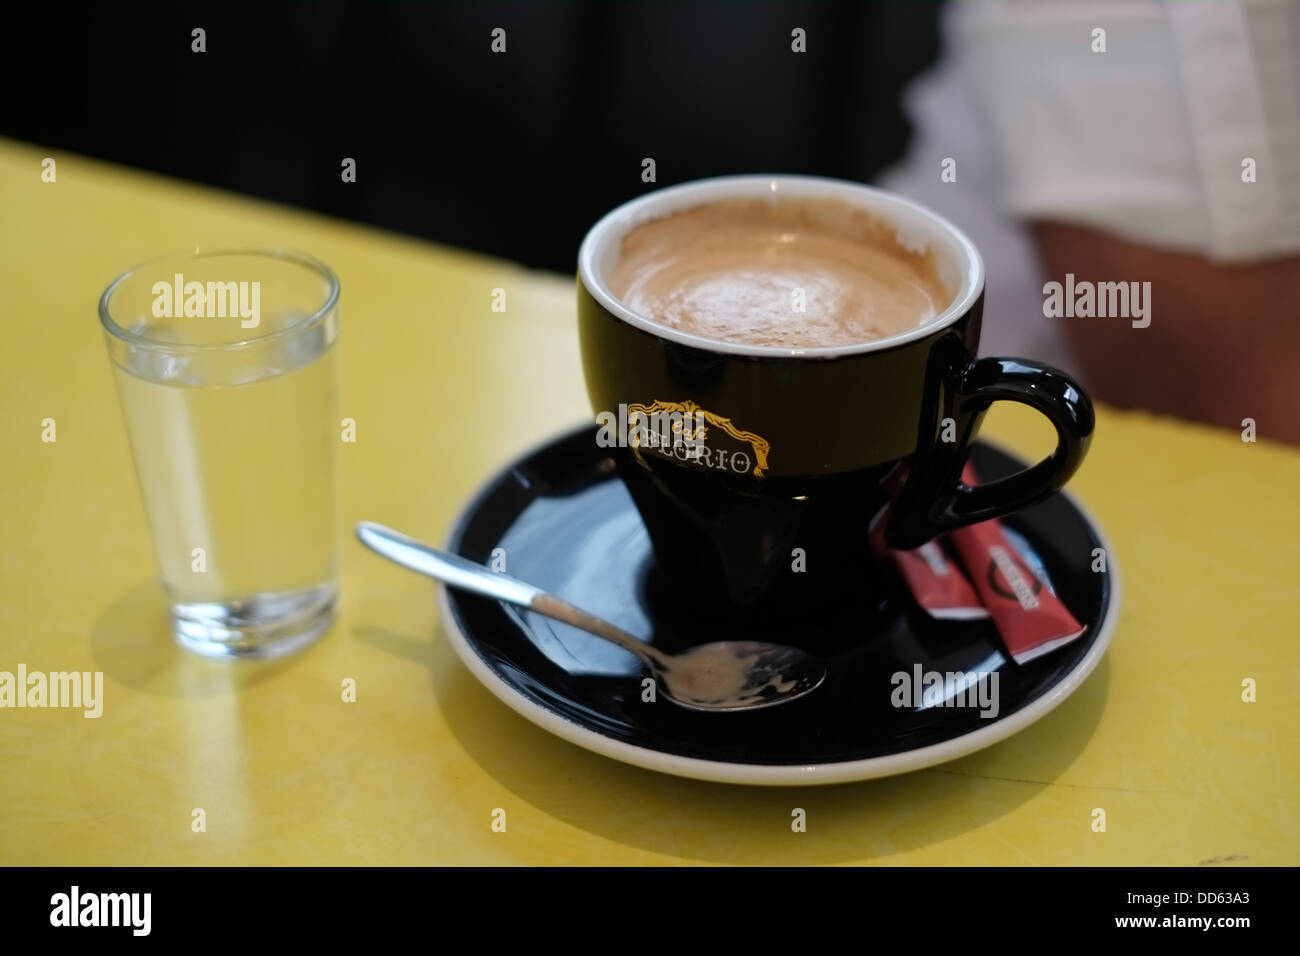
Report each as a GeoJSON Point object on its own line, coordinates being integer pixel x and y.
{"type": "Point", "coordinates": [916, 227]}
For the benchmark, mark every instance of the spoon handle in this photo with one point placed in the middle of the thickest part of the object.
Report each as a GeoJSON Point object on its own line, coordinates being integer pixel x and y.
{"type": "Point", "coordinates": [458, 572]}
{"type": "Point", "coordinates": [448, 568]}
{"type": "Point", "coordinates": [550, 606]}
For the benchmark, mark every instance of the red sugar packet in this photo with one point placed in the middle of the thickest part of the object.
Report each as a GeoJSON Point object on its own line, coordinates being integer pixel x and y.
{"type": "Point", "coordinates": [938, 583]}
{"type": "Point", "coordinates": [1030, 618]}
{"type": "Point", "coordinates": [934, 579]}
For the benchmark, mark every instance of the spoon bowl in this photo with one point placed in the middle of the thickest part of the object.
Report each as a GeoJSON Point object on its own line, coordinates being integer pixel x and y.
{"type": "Point", "coordinates": [740, 675]}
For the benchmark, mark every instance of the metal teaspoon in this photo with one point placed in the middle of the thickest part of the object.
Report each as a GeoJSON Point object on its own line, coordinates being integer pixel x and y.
{"type": "Point", "coordinates": [721, 676]}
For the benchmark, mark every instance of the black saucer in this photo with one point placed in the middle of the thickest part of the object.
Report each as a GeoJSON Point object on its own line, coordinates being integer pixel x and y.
{"type": "Point", "coordinates": [565, 522]}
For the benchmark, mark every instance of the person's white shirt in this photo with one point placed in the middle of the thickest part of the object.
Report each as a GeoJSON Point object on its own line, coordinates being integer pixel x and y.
{"type": "Point", "coordinates": [1156, 140]}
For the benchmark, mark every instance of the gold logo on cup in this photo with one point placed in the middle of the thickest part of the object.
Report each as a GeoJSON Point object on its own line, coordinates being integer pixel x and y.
{"type": "Point", "coordinates": [688, 429]}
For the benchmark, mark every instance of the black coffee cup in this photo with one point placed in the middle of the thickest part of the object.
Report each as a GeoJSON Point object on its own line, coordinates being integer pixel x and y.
{"type": "Point", "coordinates": [759, 470]}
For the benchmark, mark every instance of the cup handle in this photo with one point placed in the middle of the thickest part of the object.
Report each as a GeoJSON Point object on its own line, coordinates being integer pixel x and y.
{"type": "Point", "coordinates": [934, 500]}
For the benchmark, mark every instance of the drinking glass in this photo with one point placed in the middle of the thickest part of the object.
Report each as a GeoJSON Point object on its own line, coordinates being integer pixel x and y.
{"type": "Point", "coordinates": [227, 371]}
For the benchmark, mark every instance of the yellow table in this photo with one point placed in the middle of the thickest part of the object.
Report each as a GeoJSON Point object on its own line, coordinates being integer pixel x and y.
{"type": "Point", "coordinates": [444, 390]}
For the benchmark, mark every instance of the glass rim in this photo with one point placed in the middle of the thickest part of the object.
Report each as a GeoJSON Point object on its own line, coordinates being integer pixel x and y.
{"type": "Point", "coordinates": [134, 339]}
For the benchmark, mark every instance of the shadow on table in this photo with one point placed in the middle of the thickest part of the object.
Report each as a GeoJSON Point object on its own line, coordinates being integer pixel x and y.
{"type": "Point", "coordinates": [725, 823]}
{"type": "Point", "coordinates": [131, 642]}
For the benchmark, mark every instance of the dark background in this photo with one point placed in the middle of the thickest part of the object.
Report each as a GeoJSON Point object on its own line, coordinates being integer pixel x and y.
{"type": "Point", "coordinates": [512, 154]}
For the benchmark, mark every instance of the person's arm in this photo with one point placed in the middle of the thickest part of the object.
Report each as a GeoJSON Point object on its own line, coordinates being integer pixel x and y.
{"type": "Point", "coordinates": [1223, 344]}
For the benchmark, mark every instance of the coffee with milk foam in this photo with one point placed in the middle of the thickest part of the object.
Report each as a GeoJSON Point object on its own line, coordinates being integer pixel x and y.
{"type": "Point", "coordinates": [798, 273]}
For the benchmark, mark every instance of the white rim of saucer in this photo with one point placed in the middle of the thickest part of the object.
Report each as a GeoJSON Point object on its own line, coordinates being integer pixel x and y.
{"type": "Point", "coordinates": [782, 775]}
{"type": "Point", "coordinates": [914, 224]}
